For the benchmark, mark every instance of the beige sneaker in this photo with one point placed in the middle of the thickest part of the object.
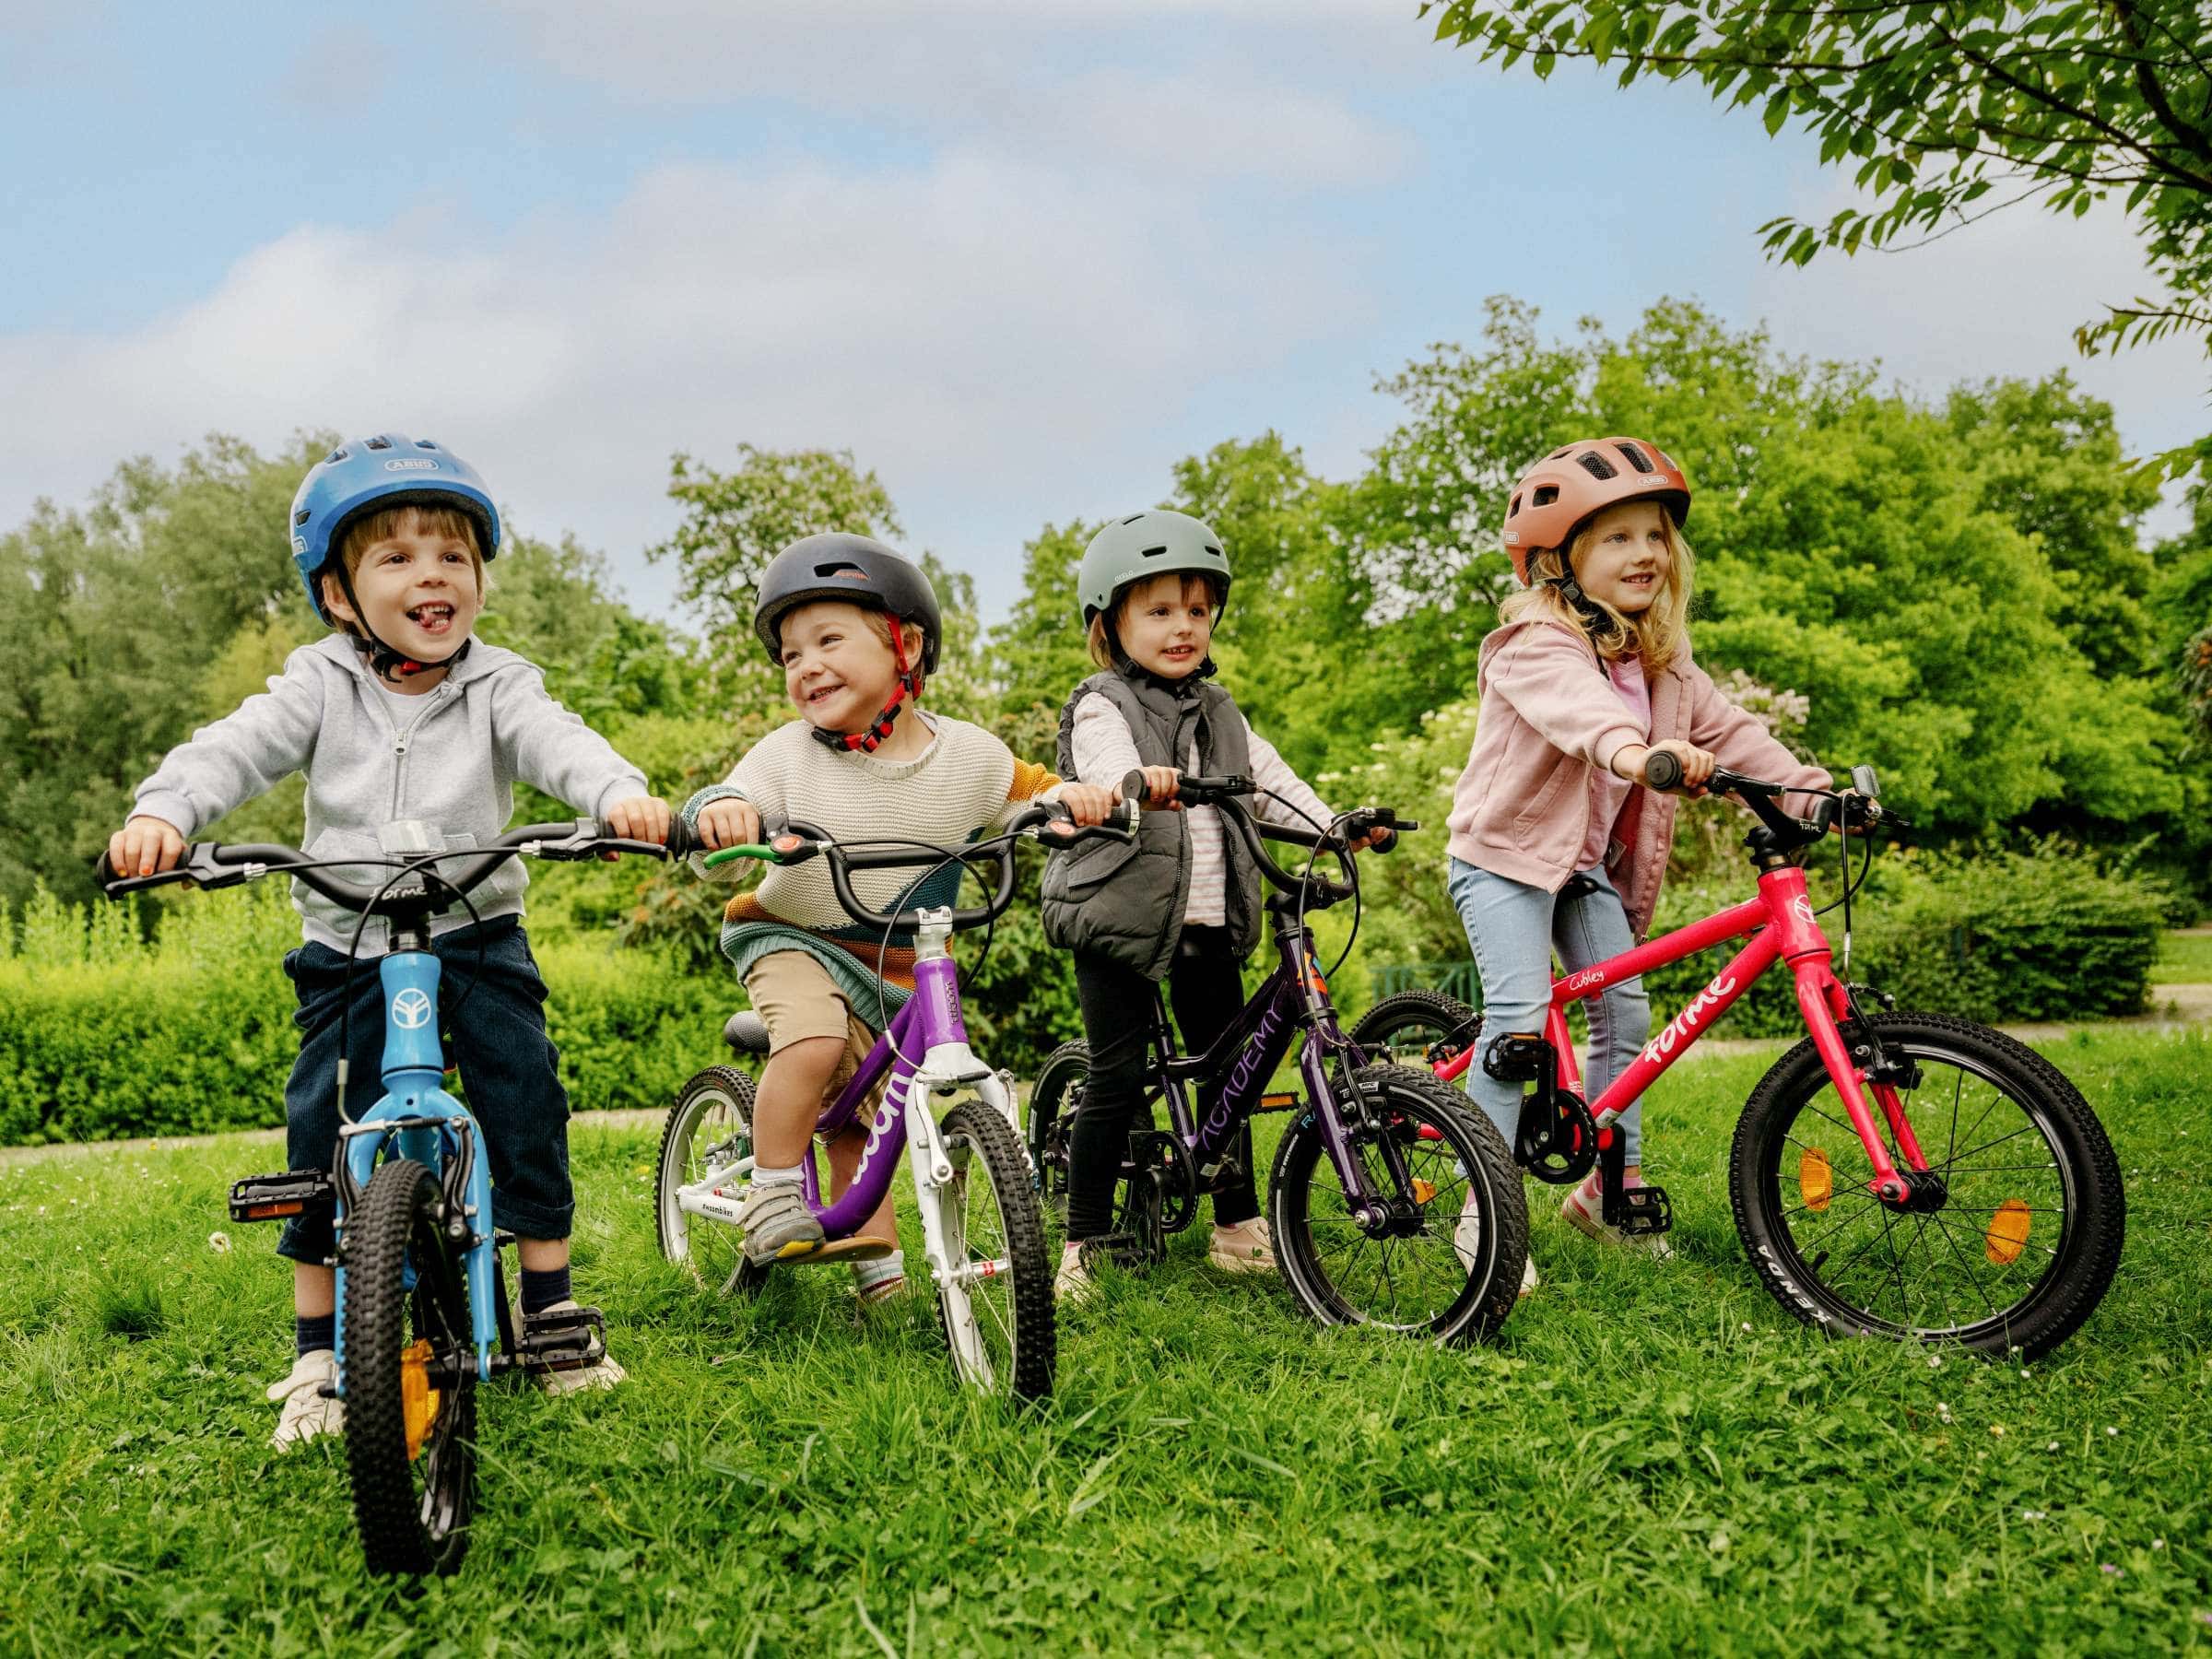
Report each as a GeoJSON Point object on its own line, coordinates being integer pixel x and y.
{"type": "Point", "coordinates": [306, 1413]}
{"type": "Point", "coordinates": [1248, 1247]}
{"type": "Point", "coordinates": [605, 1374]}
{"type": "Point", "coordinates": [1467, 1239]}
{"type": "Point", "coordinates": [1072, 1284]}
{"type": "Point", "coordinates": [1582, 1212]}
{"type": "Point", "coordinates": [1528, 1276]}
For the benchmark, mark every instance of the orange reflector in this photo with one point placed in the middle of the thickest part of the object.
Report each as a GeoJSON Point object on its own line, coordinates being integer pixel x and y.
{"type": "Point", "coordinates": [269, 1212]}
{"type": "Point", "coordinates": [1277, 1102]}
{"type": "Point", "coordinates": [1423, 1190]}
{"type": "Point", "coordinates": [2008, 1234]}
{"type": "Point", "coordinates": [1816, 1181]}
{"type": "Point", "coordinates": [418, 1400]}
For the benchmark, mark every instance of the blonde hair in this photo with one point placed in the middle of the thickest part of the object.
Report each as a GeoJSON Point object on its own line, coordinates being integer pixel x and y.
{"type": "Point", "coordinates": [879, 624]}
{"type": "Point", "coordinates": [364, 533]}
{"type": "Point", "coordinates": [1103, 636]}
{"type": "Point", "coordinates": [1655, 636]}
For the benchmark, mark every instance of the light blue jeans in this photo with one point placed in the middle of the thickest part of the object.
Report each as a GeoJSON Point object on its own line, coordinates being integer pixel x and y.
{"type": "Point", "coordinates": [1514, 929]}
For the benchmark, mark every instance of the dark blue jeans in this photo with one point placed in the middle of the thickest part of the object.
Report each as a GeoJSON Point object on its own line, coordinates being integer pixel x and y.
{"type": "Point", "coordinates": [507, 1067]}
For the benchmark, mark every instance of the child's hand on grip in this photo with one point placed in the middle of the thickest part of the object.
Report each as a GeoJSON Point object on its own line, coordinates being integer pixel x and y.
{"type": "Point", "coordinates": [1697, 764]}
{"type": "Point", "coordinates": [1087, 803]}
{"type": "Point", "coordinates": [144, 846]}
{"type": "Point", "coordinates": [728, 822]}
{"type": "Point", "coordinates": [642, 817]}
{"type": "Point", "coordinates": [1159, 788]}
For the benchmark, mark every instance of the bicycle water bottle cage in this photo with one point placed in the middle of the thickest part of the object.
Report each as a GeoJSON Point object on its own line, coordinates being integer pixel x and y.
{"type": "Point", "coordinates": [275, 1197]}
{"type": "Point", "coordinates": [1636, 1211]}
{"type": "Point", "coordinates": [1520, 1057]}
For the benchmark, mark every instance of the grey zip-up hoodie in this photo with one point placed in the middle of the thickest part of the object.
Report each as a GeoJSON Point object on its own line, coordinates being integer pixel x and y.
{"type": "Point", "coordinates": [451, 757]}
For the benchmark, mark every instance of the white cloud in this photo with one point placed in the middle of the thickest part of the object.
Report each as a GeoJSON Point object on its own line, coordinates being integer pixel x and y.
{"type": "Point", "coordinates": [2001, 296]}
{"type": "Point", "coordinates": [976, 326]}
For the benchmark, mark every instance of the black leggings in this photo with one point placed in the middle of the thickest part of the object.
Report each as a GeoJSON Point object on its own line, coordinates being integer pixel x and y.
{"type": "Point", "coordinates": [1207, 993]}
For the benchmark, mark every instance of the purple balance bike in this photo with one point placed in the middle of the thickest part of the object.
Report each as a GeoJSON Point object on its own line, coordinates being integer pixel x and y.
{"type": "Point", "coordinates": [982, 1232]}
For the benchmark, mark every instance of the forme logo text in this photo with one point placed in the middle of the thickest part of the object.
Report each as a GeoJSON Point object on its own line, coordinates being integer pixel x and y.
{"type": "Point", "coordinates": [1684, 1026]}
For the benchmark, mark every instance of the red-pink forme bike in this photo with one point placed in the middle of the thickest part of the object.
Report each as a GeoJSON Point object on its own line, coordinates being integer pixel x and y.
{"type": "Point", "coordinates": [1903, 1175]}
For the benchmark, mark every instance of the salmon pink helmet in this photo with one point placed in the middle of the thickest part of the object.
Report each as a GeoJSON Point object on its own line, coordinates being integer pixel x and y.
{"type": "Point", "coordinates": [1557, 496]}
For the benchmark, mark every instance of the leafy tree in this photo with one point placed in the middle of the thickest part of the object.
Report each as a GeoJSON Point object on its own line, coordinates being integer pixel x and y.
{"type": "Point", "coordinates": [1939, 109]}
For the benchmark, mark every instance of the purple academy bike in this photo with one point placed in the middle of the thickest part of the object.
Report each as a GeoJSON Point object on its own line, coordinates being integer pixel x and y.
{"type": "Point", "coordinates": [982, 1233]}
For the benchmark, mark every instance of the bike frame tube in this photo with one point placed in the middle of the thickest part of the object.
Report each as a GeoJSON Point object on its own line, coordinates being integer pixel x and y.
{"type": "Point", "coordinates": [1784, 928]}
{"type": "Point", "coordinates": [414, 1075]}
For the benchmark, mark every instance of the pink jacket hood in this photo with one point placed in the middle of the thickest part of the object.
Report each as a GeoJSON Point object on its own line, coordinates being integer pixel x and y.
{"type": "Point", "coordinates": [1549, 721]}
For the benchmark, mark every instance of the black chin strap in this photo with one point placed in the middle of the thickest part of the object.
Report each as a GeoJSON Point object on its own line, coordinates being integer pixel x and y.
{"type": "Point", "coordinates": [867, 741]}
{"type": "Point", "coordinates": [1569, 589]}
{"type": "Point", "coordinates": [387, 664]}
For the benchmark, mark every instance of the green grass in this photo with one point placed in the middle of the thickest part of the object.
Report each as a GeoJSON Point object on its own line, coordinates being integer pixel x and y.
{"type": "Point", "coordinates": [1650, 1460]}
{"type": "Point", "coordinates": [2184, 959]}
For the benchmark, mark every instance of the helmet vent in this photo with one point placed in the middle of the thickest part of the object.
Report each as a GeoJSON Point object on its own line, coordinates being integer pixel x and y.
{"type": "Point", "coordinates": [1637, 458]}
{"type": "Point", "coordinates": [302, 516]}
{"type": "Point", "coordinates": [1558, 452]}
{"type": "Point", "coordinates": [1514, 507]}
{"type": "Point", "coordinates": [1153, 552]}
{"type": "Point", "coordinates": [1596, 465]}
{"type": "Point", "coordinates": [1545, 494]}
{"type": "Point", "coordinates": [334, 457]}
{"type": "Point", "coordinates": [843, 567]}
{"type": "Point", "coordinates": [1133, 518]}
{"type": "Point", "coordinates": [379, 443]}
{"type": "Point", "coordinates": [424, 443]}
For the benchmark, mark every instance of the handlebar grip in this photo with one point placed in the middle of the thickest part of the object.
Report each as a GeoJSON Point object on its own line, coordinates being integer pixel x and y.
{"type": "Point", "coordinates": [1662, 769]}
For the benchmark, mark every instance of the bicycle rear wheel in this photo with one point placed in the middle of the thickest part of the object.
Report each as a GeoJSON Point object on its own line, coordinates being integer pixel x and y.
{"type": "Point", "coordinates": [996, 1303]}
{"type": "Point", "coordinates": [2016, 1251]}
{"type": "Point", "coordinates": [409, 1376]}
{"type": "Point", "coordinates": [1417, 1028]}
{"type": "Point", "coordinates": [1053, 1102]}
{"type": "Point", "coordinates": [1454, 1272]}
{"type": "Point", "coordinates": [710, 1126]}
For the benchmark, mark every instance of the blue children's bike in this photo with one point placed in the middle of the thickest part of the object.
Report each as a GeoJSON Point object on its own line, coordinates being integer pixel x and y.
{"type": "Point", "coordinates": [422, 1306]}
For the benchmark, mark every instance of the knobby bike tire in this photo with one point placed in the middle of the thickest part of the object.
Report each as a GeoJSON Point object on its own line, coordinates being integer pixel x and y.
{"type": "Point", "coordinates": [1383, 1026]}
{"type": "Point", "coordinates": [709, 1248]}
{"type": "Point", "coordinates": [1475, 1275]}
{"type": "Point", "coordinates": [1811, 1263]}
{"type": "Point", "coordinates": [1016, 1327]}
{"type": "Point", "coordinates": [413, 1514]}
{"type": "Point", "coordinates": [1051, 1121]}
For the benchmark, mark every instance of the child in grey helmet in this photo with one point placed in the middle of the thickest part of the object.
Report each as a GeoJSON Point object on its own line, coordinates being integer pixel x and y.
{"type": "Point", "coordinates": [1183, 907]}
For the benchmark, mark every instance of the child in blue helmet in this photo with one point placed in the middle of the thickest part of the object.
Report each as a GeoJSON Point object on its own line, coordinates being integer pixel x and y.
{"type": "Point", "coordinates": [399, 714]}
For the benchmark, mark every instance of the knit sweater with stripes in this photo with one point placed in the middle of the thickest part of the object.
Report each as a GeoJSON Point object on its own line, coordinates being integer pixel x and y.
{"type": "Point", "coordinates": [965, 783]}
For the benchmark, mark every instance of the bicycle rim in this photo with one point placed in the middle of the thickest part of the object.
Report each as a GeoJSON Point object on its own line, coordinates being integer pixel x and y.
{"type": "Point", "coordinates": [710, 1126]}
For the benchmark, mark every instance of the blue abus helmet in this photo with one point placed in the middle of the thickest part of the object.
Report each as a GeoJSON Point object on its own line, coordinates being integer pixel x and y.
{"type": "Point", "coordinates": [369, 475]}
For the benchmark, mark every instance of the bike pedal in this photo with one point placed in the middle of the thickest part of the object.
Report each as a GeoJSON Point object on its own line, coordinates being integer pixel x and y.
{"type": "Point", "coordinates": [275, 1197]}
{"type": "Point", "coordinates": [569, 1340]}
{"type": "Point", "coordinates": [1639, 1211]}
{"type": "Point", "coordinates": [1126, 1250]}
{"type": "Point", "coordinates": [1519, 1057]}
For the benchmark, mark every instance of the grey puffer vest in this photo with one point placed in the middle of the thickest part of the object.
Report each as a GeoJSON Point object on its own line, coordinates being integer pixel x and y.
{"type": "Point", "coordinates": [1124, 901]}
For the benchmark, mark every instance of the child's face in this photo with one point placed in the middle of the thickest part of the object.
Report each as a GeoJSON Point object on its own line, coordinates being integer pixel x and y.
{"type": "Point", "coordinates": [1627, 555]}
{"type": "Point", "coordinates": [1166, 624]}
{"type": "Point", "coordinates": [837, 669]}
{"type": "Point", "coordinates": [417, 590]}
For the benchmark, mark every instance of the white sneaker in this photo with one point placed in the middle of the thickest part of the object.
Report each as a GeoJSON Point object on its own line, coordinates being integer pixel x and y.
{"type": "Point", "coordinates": [1528, 1276]}
{"type": "Point", "coordinates": [306, 1413]}
{"type": "Point", "coordinates": [1578, 1213]}
{"type": "Point", "coordinates": [1072, 1284]}
{"type": "Point", "coordinates": [605, 1374]}
{"type": "Point", "coordinates": [1248, 1247]}
{"type": "Point", "coordinates": [1467, 1238]}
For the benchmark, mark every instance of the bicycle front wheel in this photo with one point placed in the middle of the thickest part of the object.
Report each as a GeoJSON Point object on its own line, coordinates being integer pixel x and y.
{"type": "Point", "coordinates": [2019, 1235]}
{"type": "Point", "coordinates": [410, 1377]}
{"type": "Point", "coordinates": [995, 1300]}
{"type": "Point", "coordinates": [1448, 1266]}
{"type": "Point", "coordinates": [709, 1127]}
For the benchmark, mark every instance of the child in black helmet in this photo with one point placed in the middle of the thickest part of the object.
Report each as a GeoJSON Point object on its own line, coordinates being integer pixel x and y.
{"type": "Point", "coordinates": [1183, 906]}
{"type": "Point", "coordinates": [855, 628]}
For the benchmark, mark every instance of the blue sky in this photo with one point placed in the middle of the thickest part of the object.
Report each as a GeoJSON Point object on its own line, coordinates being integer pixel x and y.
{"type": "Point", "coordinates": [1019, 258]}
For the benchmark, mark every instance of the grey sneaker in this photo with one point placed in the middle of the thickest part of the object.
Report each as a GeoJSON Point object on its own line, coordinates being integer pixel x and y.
{"type": "Point", "coordinates": [778, 1224]}
{"type": "Point", "coordinates": [307, 1414]}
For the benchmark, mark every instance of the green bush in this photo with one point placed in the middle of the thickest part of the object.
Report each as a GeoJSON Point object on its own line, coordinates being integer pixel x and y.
{"type": "Point", "coordinates": [102, 1036]}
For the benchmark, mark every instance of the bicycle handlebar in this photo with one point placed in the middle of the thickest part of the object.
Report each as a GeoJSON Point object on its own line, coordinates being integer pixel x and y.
{"type": "Point", "coordinates": [1229, 792]}
{"type": "Point", "coordinates": [1662, 770]}
{"type": "Point", "coordinates": [209, 865]}
{"type": "Point", "coordinates": [796, 841]}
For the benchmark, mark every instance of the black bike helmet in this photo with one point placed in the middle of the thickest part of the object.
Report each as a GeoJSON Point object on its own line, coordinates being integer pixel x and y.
{"type": "Point", "coordinates": [852, 569]}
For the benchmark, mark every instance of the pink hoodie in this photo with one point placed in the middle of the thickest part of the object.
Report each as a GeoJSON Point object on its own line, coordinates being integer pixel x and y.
{"type": "Point", "coordinates": [1549, 725]}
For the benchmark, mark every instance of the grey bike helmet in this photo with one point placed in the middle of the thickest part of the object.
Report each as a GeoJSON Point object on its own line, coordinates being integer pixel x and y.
{"type": "Point", "coordinates": [855, 570]}
{"type": "Point", "coordinates": [1153, 543]}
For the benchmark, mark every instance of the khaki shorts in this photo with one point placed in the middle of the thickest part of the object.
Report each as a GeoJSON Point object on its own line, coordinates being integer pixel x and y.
{"type": "Point", "coordinates": [796, 999]}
